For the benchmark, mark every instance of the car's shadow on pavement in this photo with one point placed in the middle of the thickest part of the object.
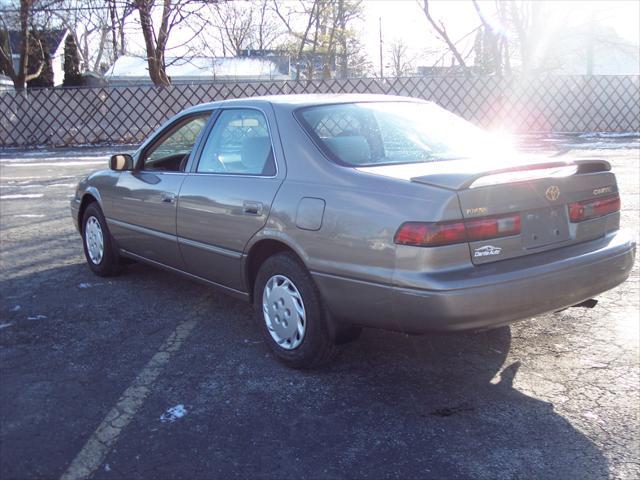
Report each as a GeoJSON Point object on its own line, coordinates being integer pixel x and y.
{"type": "Point", "coordinates": [447, 406]}
{"type": "Point", "coordinates": [439, 406]}
{"type": "Point", "coordinates": [390, 406]}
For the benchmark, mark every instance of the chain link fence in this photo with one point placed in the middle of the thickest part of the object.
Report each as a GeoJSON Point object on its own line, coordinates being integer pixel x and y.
{"type": "Point", "coordinates": [64, 117]}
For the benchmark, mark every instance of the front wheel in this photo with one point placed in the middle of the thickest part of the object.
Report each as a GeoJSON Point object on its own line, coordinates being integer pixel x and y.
{"type": "Point", "coordinates": [289, 309]}
{"type": "Point", "coordinates": [99, 250]}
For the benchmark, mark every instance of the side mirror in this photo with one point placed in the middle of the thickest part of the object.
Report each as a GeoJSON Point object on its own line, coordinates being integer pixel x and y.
{"type": "Point", "coordinates": [121, 162]}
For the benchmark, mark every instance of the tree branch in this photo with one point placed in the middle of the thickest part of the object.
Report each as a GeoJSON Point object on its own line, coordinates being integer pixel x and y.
{"type": "Point", "coordinates": [442, 32]}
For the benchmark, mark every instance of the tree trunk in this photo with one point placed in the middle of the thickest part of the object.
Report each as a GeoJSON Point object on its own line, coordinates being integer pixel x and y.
{"type": "Point", "coordinates": [20, 79]}
{"type": "Point", "coordinates": [155, 48]}
{"type": "Point", "coordinates": [303, 40]}
{"type": "Point", "coordinates": [343, 40]}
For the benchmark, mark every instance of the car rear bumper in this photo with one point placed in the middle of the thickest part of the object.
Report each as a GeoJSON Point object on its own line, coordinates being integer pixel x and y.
{"type": "Point", "coordinates": [489, 295]}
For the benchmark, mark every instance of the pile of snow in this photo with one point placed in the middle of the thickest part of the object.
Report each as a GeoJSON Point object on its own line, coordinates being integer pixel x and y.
{"type": "Point", "coordinates": [199, 68]}
{"type": "Point", "coordinates": [173, 413]}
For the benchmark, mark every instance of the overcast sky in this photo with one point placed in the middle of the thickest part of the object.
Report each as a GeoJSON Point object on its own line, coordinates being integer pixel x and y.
{"type": "Point", "coordinates": [404, 19]}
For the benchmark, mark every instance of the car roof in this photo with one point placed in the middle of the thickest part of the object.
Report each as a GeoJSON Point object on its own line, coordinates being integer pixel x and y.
{"type": "Point", "coordinates": [305, 100]}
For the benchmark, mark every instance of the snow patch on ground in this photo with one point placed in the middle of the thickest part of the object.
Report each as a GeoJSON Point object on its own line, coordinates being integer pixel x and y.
{"type": "Point", "coordinates": [82, 150]}
{"type": "Point", "coordinates": [52, 159]}
{"type": "Point", "coordinates": [37, 317]}
{"type": "Point", "coordinates": [609, 135]}
{"type": "Point", "coordinates": [24, 195]}
{"type": "Point", "coordinates": [16, 308]}
{"type": "Point", "coordinates": [48, 177]}
{"type": "Point", "coordinates": [173, 413]}
{"type": "Point", "coordinates": [602, 145]}
{"type": "Point", "coordinates": [65, 185]}
{"type": "Point", "coordinates": [57, 164]}
{"type": "Point", "coordinates": [5, 325]}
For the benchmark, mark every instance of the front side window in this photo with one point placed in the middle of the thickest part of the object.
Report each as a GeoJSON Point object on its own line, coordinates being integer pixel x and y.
{"type": "Point", "coordinates": [171, 152]}
{"type": "Point", "coordinates": [376, 133]}
{"type": "Point", "coordinates": [239, 144]}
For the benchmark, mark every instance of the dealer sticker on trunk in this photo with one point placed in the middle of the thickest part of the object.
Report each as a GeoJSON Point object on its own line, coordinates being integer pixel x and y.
{"type": "Point", "coordinates": [486, 251]}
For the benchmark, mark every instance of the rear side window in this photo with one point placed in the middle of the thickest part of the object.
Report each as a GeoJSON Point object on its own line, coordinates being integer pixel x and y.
{"type": "Point", "coordinates": [239, 144]}
{"type": "Point", "coordinates": [378, 133]}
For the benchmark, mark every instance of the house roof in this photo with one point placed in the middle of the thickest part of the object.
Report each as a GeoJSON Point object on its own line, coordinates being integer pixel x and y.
{"type": "Point", "coordinates": [52, 39]}
{"type": "Point", "coordinates": [130, 67]}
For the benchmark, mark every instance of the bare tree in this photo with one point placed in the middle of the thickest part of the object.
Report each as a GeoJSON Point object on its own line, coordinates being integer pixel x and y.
{"type": "Point", "coordinates": [490, 41]}
{"type": "Point", "coordinates": [340, 16]}
{"type": "Point", "coordinates": [88, 22]}
{"type": "Point", "coordinates": [118, 13]}
{"type": "Point", "coordinates": [441, 30]}
{"type": "Point", "coordinates": [355, 62]}
{"type": "Point", "coordinates": [301, 39]}
{"type": "Point", "coordinates": [30, 46]}
{"type": "Point", "coordinates": [268, 29]}
{"type": "Point", "coordinates": [172, 14]}
{"type": "Point", "coordinates": [401, 58]}
{"type": "Point", "coordinates": [236, 23]}
{"type": "Point", "coordinates": [235, 26]}
{"type": "Point", "coordinates": [326, 35]}
{"type": "Point", "coordinates": [526, 18]}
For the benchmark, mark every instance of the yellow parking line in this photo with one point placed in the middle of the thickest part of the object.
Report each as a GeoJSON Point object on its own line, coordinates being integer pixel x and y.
{"type": "Point", "coordinates": [99, 444]}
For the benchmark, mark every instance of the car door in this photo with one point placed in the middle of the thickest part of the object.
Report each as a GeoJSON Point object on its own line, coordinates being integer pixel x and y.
{"type": "Point", "coordinates": [227, 196]}
{"type": "Point", "coordinates": [144, 209]}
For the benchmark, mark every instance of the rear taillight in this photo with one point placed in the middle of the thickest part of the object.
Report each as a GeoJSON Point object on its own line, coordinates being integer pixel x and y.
{"type": "Point", "coordinates": [492, 227]}
{"type": "Point", "coordinates": [431, 234]}
{"type": "Point", "coordinates": [425, 234]}
{"type": "Point", "coordinates": [587, 209]}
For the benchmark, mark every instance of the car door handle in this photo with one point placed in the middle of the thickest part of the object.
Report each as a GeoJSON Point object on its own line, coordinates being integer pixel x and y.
{"type": "Point", "coordinates": [252, 208]}
{"type": "Point", "coordinates": [168, 197]}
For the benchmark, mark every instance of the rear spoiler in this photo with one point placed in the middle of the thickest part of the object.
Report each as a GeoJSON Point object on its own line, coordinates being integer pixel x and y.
{"type": "Point", "coordinates": [463, 175]}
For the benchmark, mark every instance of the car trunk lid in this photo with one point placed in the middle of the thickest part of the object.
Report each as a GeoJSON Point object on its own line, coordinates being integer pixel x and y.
{"type": "Point", "coordinates": [539, 190]}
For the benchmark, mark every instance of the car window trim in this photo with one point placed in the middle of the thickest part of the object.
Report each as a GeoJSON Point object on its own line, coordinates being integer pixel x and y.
{"type": "Point", "coordinates": [209, 129]}
{"type": "Point", "coordinates": [166, 132]}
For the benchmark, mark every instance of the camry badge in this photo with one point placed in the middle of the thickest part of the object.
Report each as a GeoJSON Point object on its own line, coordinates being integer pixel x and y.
{"type": "Point", "coordinates": [552, 193]}
{"type": "Point", "coordinates": [486, 251]}
{"type": "Point", "coordinates": [600, 191]}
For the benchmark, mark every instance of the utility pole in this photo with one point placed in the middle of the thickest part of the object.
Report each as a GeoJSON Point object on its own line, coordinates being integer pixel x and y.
{"type": "Point", "coordinates": [381, 64]}
{"type": "Point", "coordinates": [590, 46]}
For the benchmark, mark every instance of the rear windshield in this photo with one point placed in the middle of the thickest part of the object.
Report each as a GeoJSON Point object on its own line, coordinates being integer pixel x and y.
{"type": "Point", "coordinates": [379, 133]}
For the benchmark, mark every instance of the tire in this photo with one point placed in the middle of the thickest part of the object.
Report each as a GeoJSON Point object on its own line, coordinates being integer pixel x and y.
{"type": "Point", "coordinates": [95, 230]}
{"type": "Point", "coordinates": [282, 291]}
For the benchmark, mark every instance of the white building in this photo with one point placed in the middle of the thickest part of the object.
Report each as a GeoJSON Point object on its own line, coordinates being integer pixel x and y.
{"type": "Point", "coordinates": [54, 41]}
{"type": "Point", "coordinates": [130, 70]}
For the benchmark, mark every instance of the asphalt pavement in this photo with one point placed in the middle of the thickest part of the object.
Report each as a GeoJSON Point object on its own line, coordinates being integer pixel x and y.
{"type": "Point", "coordinates": [149, 375]}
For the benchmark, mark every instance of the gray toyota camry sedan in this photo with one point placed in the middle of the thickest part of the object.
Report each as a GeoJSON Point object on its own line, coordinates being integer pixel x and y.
{"type": "Point", "coordinates": [334, 212]}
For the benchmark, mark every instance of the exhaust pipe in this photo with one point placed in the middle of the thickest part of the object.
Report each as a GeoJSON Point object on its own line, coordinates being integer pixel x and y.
{"type": "Point", "coordinates": [592, 302]}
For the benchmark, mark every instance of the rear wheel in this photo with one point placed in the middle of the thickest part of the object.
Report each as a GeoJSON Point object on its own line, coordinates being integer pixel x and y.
{"type": "Point", "coordinates": [99, 250]}
{"type": "Point", "coordinates": [289, 309]}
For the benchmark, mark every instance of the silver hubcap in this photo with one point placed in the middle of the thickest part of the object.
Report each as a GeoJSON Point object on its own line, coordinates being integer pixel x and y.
{"type": "Point", "coordinates": [284, 312]}
{"type": "Point", "coordinates": [94, 240]}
